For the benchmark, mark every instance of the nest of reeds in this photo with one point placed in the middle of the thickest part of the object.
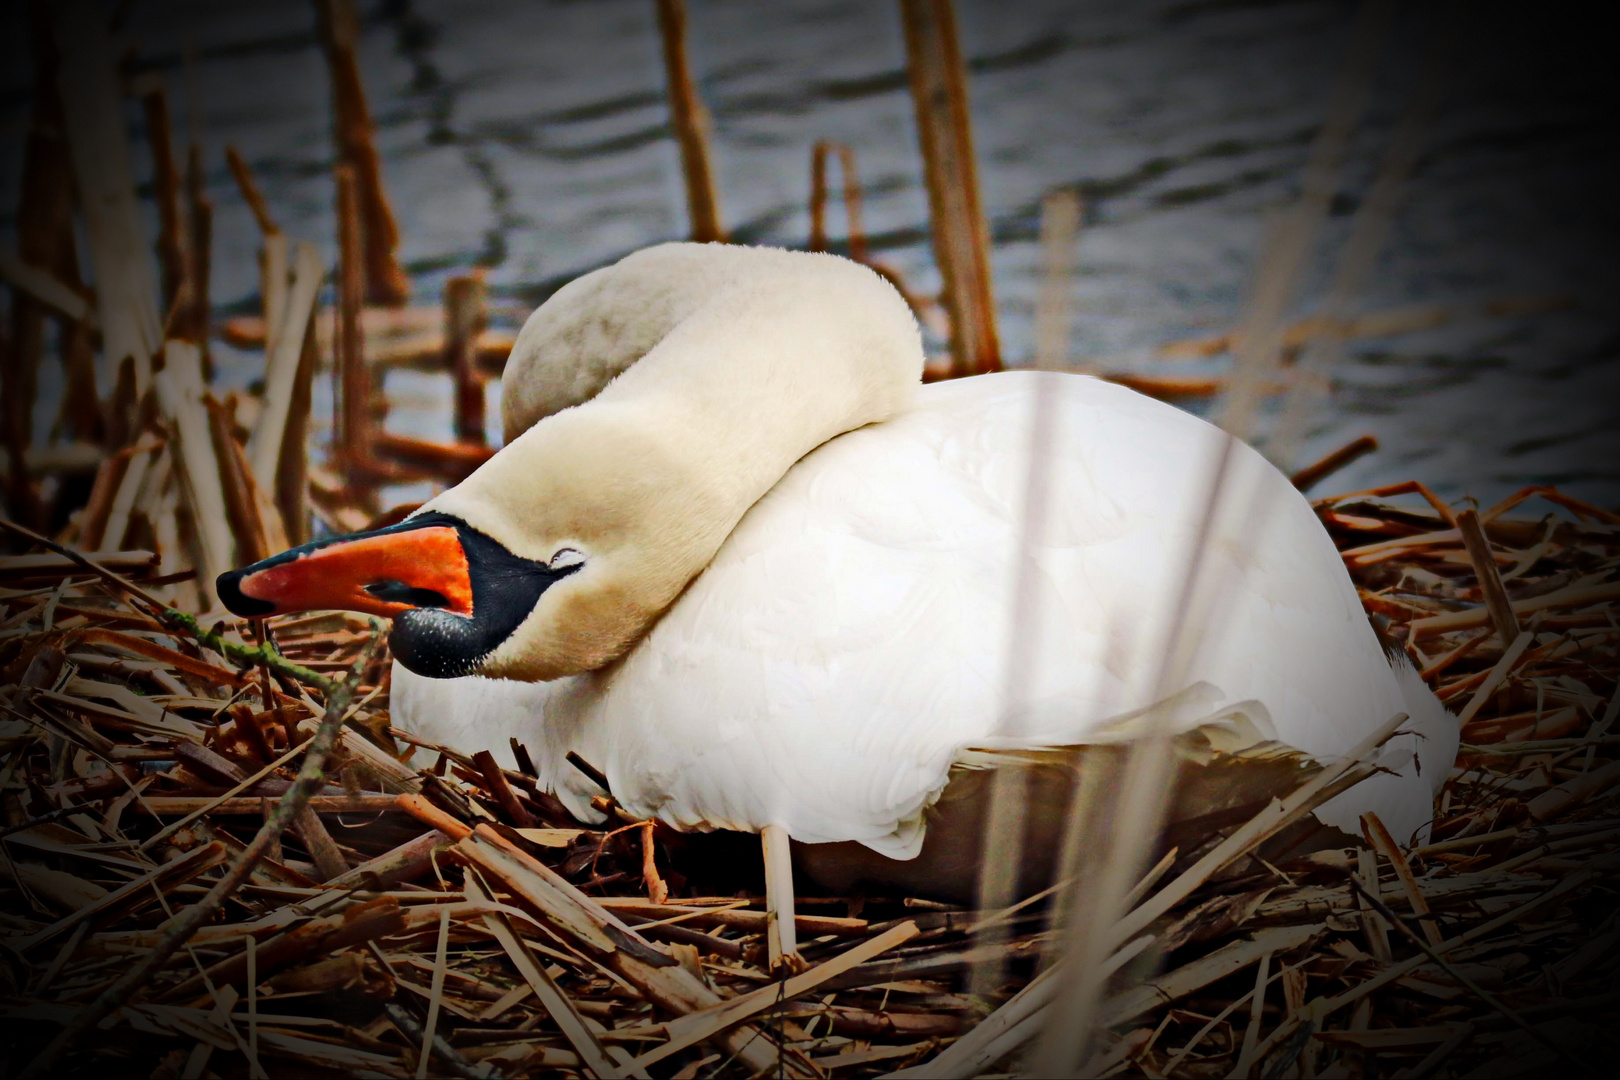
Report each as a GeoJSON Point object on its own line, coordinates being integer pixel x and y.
{"type": "Point", "coordinates": [428, 901]}
{"type": "Point", "coordinates": [220, 858]}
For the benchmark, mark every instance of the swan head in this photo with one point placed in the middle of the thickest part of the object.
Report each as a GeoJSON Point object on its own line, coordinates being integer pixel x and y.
{"type": "Point", "coordinates": [550, 560]}
{"type": "Point", "coordinates": [650, 405]}
{"type": "Point", "coordinates": [455, 594]}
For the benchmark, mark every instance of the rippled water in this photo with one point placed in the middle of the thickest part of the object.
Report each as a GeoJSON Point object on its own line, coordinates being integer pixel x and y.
{"type": "Point", "coordinates": [532, 137]}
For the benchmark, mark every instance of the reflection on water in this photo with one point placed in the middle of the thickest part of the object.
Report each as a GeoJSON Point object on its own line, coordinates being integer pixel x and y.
{"type": "Point", "coordinates": [532, 138]}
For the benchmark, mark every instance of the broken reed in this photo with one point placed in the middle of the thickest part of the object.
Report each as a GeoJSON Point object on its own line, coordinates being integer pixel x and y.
{"type": "Point", "coordinates": [437, 898]}
{"type": "Point", "coordinates": [691, 123]}
{"type": "Point", "coordinates": [960, 232]}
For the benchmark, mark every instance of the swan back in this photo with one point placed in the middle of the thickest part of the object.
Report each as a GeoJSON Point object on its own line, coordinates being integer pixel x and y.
{"type": "Point", "coordinates": [590, 330]}
{"type": "Point", "coordinates": [854, 635]}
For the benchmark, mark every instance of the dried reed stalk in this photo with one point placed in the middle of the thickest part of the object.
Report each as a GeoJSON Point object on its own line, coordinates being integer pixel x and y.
{"type": "Point", "coordinates": [172, 247]}
{"type": "Point", "coordinates": [1291, 236]}
{"type": "Point", "coordinates": [250, 191]}
{"type": "Point", "coordinates": [1054, 308]}
{"type": "Point", "coordinates": [126, 293]}
{"type": "Point", "coordinates": [855, 230]}
{"type": "Point", "coordinates": [1369, 233]}
{"type": "Point", "coordinates": [464, 320]}
{"type": "Point", "coordinates": [1317, 471]}
{"type": "Point", "coordinates": [242, 495]}
{"type": "Point", "coordinates": [352, 444]}
{"type": "Point", "coordinates": [449, 461]}
{"type": "Point", "coordinates": [1004, 822]}
{"type": "Point", "coordinates": [1479, 551]}
{"type": "Point", "coordinates": [199, 257]}
{"type": "Point", "coordinates": [961, 234]}
{"type": "Point", "coordinates": [292, 472]}
{"type": "Point", "coordinates": [384, 278]}
{"type": "Point", "coordinates": [180, 398]}
{"type": "Point", "coordinates": [284, 419]}
{"type": "Point", "coordinates": [692, 126]}
{"type": "Point", "coordinates": [283, 365]}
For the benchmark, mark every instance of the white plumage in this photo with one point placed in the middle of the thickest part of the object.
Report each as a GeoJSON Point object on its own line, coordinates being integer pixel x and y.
{"type": "Point", "coordinates": [854, 633]}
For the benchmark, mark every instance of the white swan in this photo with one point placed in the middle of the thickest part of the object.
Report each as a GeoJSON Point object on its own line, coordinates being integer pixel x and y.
{"type": "Point", "coordinates": [739, 559]}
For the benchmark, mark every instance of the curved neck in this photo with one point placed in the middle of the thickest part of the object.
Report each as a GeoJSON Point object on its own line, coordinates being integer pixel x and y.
{"type": "Point", "coordinates": [649, 477]}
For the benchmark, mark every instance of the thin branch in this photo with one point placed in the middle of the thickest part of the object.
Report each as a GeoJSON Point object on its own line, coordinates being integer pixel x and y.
{"type": "Point", "coordinates": [246, 656]}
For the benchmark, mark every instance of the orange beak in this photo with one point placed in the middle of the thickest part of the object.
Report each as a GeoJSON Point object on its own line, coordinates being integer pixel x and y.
{"type": "Point", "coordinates": [386, 572]}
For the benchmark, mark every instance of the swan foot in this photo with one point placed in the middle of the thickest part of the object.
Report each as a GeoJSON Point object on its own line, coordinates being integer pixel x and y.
{"type": "Point", "coordinates": [781, 931]}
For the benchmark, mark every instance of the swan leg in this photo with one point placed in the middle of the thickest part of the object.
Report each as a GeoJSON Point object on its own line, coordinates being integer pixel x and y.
{"type": "Point", "coordinates": [781, 932]}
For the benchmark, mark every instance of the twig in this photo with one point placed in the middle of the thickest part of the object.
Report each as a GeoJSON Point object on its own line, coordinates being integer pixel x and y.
{"type": "Point", "coordinates": [429, 1030]}
{"type": "Point", "coordinates": [200, 242]}
{"type": "Point", "coordinates": [244, 656]}
{"type": "Point", "coordinates": [1496, 677]}
{"type": "Point", "coordinates": [592, 773]}
{"type": "Point", "coordinates": [1355, 450]}
{"type": "Point", "coordinates": [496, 784]}
{"type": "Point", "coordinates": [554, 1001]}
{"type": "Point", "coordinates": [1228, 1010]}
{"type": "Point", "coordinates": [1251, 1035]}
{"type": "Point", "coordinates": [855, 232]}
{"type": "Point", "coordinates": [694, 1027]}
{"type": "Point", "coordinates": [1377, 834]}
{"type": "Point", "coordinates": [310, 779]}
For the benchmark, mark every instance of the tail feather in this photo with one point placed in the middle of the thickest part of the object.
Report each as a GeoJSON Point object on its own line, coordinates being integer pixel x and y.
{"type": "Point", "coordinates": [1441, 732]}
{"type": "Point", "coordinates": [1413, 766]}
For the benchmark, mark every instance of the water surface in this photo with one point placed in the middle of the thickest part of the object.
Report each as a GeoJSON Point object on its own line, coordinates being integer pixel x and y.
{"type": "Point", "coordinates": [532, 138]}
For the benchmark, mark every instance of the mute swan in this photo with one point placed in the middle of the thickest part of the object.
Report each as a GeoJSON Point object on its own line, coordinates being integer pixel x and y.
{"type": "Point", "coordinates": [737, 557]}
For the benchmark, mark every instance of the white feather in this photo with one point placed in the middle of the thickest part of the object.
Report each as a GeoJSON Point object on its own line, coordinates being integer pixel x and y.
{"type": "Point", "coordinates": [853, 635]}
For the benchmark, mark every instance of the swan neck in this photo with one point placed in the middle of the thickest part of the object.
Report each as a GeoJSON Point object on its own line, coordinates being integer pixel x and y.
{"type": "Point", "coordinates": [650, 476]}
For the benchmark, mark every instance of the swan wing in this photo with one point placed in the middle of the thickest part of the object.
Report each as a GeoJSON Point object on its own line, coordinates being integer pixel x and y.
{"type": "Point", "coordinates": [862, 627]}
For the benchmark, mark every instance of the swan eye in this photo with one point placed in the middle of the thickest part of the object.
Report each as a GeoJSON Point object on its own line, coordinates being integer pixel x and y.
{"type": "Point", "coordinates": [567, 559]}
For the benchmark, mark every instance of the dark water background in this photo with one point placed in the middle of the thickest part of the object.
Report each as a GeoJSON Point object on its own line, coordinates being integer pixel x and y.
{"type": "Point", "coordinates": [531, 137]}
